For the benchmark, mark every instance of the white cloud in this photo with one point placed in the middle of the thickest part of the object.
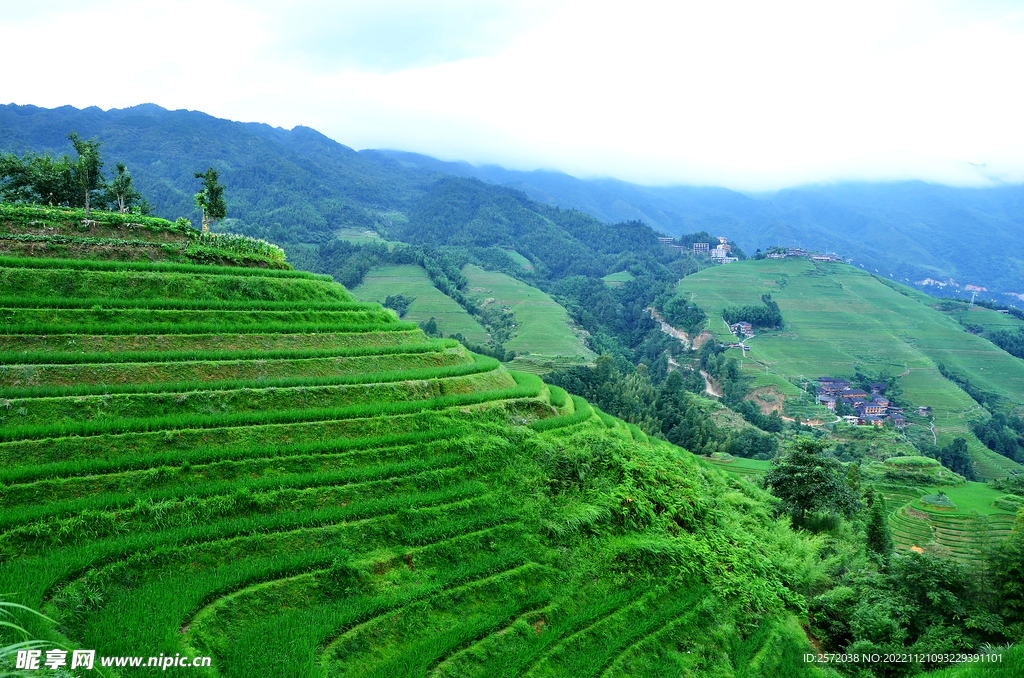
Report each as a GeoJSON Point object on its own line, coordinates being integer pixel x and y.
{"type": "Point", "coordinates": [744, 94]}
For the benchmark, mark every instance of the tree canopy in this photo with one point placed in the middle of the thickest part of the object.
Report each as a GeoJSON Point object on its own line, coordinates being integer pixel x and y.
{"type": "Point", "coordinates": [210, 199]}
{"type": "Point", "coordinates": [806, 480]}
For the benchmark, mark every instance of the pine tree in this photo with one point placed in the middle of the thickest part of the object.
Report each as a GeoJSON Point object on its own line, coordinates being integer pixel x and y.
{"type": "Point", "coordinates": [853, 478]}
{"type": "Point", "coordinates": [879, 536]}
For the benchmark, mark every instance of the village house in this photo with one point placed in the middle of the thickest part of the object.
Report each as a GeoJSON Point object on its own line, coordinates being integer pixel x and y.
{"type": "Point", "coordinates": [746, 329]}
{"type": "Point", "coordinates": [701, 247]}
{"type": "Point", "coordinates": [872, 410]}
{"type": "Point", "coordinates": [833, 385]}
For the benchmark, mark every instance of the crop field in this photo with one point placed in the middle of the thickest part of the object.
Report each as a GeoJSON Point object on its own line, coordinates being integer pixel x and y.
{"type": "Point", "coordinates": [964, 531]}
{"type": "Point", "coordinates": [412, 281]}
{"type": "Point", "coordinates": [837, 317]}
{"type": "Point", "coordinates": [618, 278]}
{"type": "Point", "coordinates": [360, 236]}
{"type": "Point", "coordinates": [520, 259]}
{"type": "Point", "coordinates": [978, 315]}
{"type": "Point", "coordinates": [752, 469]}
{"type": "Point", "coordinates": [358, 502]}
{"type": "Point", "coordinates": [542, 326]}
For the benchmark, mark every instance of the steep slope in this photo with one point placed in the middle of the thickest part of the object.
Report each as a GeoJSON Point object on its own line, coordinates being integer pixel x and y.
{"type": "Point", "coordinates": [246, 464]}
{"type": "Point", "coordinates": [838, 318]}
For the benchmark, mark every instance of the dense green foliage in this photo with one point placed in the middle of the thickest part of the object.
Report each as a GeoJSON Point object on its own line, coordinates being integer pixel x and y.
{"type": "Point", "coordinates": [808, 481]}
{"type": "Point", "coordinates": [62, 181]}
{"type": "Point", "coordinates": [766, 317]}
{"type": "Point", "coordinates": [669, 410]}
{"type": "Point", "coordinates": [1011, 342]}
{"type": "Point", "coordinates": [954, 456]}
{"type": "Point", "coordinates": [683, 314]}
{"type": "Point", "coordinates": [1003, 434]}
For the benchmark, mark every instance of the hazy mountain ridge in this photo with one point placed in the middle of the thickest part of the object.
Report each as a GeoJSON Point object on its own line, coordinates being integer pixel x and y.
{"type": "Point", "coordinates": [911, 230]}
{"type": "Point", "coordinates": [300, 186]}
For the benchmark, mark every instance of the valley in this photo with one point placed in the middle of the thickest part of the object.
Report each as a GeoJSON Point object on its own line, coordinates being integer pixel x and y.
{"type": "Point", "coordinates": [476, 438]}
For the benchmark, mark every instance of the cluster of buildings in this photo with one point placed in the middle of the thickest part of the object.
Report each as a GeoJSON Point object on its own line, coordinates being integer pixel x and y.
{"type": "Point", "coordinates": [721, 253]}
{"type": "Point", "coordinates": [744, 329]}
{"type": "Point", "coordinates": [779, 253]}
{"type": "Point", "coordinates": [872, 409]}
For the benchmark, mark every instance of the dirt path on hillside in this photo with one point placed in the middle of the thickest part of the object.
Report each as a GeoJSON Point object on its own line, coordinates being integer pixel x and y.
{"type": "Point", "coordinates": [710, 386]}
{"type": "Point", "coordinates": [687, 342]}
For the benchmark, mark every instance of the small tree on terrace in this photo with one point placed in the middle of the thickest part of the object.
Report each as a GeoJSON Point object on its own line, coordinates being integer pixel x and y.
{"type": "Point", "coordinates": [806, 480]}
{"type": "Point", "coordinates": [87, 170]}
{"type": "Point", "coordinates": [211, 198]}
{"type": "Point", "coordinates": [122, 195]}
{"type": "Point", "coordinates": [878, 534]}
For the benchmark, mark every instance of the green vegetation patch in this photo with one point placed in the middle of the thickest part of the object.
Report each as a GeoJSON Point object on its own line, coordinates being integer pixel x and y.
{"type": "Point", "coordinates": [430, 302]}
{"type": "Point", "coordinates": [619, 278]}
{"type": "Point", "coordinates": [938, 501]}
{"type": "Point", "coordinates": [542, 326]}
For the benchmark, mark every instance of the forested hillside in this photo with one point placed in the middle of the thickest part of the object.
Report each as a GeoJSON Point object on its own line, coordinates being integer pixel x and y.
{"type": "Point", "coordinates": [911, 230]}
{"type": "Point", "coordinates": [299, 186]}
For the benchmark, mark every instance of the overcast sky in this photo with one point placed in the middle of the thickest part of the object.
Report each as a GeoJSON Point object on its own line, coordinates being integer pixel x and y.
{"type": "Point", "coordinates": [750, 95]}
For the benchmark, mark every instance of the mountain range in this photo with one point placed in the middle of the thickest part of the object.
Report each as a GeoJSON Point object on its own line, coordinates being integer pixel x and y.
{"type": "Point", "coordinates": [299, 187]}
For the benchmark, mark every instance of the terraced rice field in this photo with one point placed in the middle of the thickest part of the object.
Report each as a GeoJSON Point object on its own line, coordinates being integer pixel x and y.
{"type": "Point", "coordinates": [412, 281]}
{"type": "Point", "coordinates": [328, 492]}
{"type": "Point", "coordinates": [543, 326]}
{"type": "Point", "coordinates": [752, 469]}
{"type": "Point", "coordinates": [838, 317]}
{"type": "Point", "coordinates": [963, 532]}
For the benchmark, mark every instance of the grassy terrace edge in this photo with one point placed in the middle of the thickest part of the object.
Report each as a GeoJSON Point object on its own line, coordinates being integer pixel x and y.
{"type": "Point", "coordinates": [528, 386]}
{"type": "Point", "coordinates": [117, 266]}
{"type": "Point", "coordinates": [480, 364]}
{"type": "Point", "coordinates": [212, 330]}
{"type": "Point", "coordinates": [186, 304]}
{"type": "Point", "coordinates": [212, 454]}
{"type": "Point", "coordinates": [53, 358]}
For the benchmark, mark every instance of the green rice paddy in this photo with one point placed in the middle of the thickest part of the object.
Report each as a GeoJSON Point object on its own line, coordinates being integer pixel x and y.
{"type": "Point", "coordinates": [838, 318]}
{"type": "Point", "coordinates": [543, 327]}
{"type": "Point", "coordinates": [355, 503]}
{"type": "Point", "coordinates": [412, 281]}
